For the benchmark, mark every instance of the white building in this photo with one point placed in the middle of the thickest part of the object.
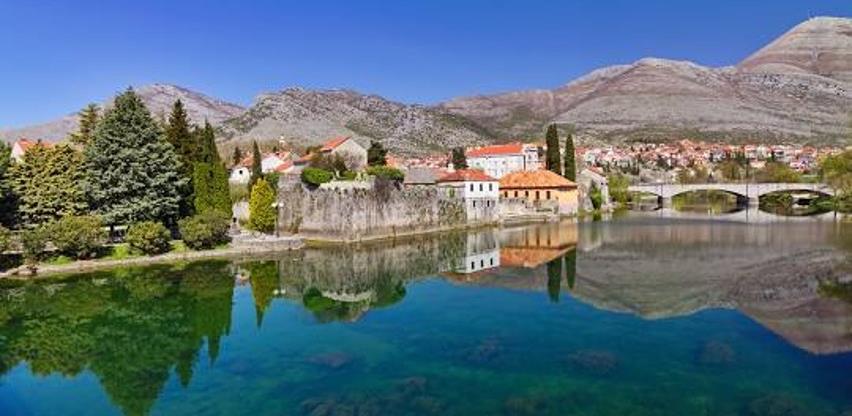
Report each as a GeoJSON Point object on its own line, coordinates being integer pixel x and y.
{"type": "Point", "coordinates": [240, 175]}
{"type": "Point", "coordinates": [499, 160]}
{"type": "Point", "coordinates": [273, 161]}
{"type": "Point", "coordinates": [479, 192]}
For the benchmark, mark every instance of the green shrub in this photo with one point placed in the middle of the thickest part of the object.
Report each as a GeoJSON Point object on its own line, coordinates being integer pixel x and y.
{"type": "Point", "coordinates": [33, 244]}
{"type": "Point", "coordinates": [316, 176]}
{"type": "Point", "coordinates": [5, 239]}
{"type": "Point", "coordinates": [148, 237]}
{"type": "Point", "coordinates": [348, 176]}
{"type": "Point", "coordinates": [79, 237]}
{"type": "Point", "coordinates": [386, 172]}
{"type": "Point", "coordinates": [204, 231]}
{"type": "Point", "coordinates": [261, 207]}
{"type": "Point", "coordinates": [238, 192]}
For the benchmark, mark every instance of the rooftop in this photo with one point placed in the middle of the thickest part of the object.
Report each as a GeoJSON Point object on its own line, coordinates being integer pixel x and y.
{"type": "Point", "coordinates": [497, 150]}
{"type": "Point", "coordinates": [535, 179]}
{"type": "Point", "coordinates": [333, 143]}
{"type": "Point", "coordinates": [467, 175]}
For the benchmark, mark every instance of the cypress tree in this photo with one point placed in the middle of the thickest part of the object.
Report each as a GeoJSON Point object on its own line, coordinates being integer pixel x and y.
{"type": "Point", "coordinates": [133, 174]}
{"type": "Point", "coordinates": [89, 117]}
{"type": "Point", "coordinates": [551, 158]}
{"type": "Point", "coordinates": [184, 142]}
{"type": "Point", "coordinates": [459, 159]}
{"type": "Point", "coordinates": [206, 145]}
{"type": "Point", "coordinates": [261, 211]}
{"type": "Point", "coordinates": [570, 165]}
{"type": "Point", "coordinates": [210, 179]}
{"type": "Point", "coordinates": [376, 154]}
{"type": "Point", "coordinates": [47, 184]}
{"type": "Point", "coordinates": [237, 157]}
{"type": "Point", "coordinates": [256, 170]}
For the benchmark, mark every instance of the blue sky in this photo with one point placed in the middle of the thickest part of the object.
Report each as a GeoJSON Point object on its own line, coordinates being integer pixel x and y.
{"type": "Point", "coordinates": [59, 55]}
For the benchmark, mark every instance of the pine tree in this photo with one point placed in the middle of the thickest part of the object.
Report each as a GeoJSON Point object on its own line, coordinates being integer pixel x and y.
{"type": "Point", "coordinates": [133, 173]}
{"type": "Point", "coordinates": [7, 197]}
{"type": "Point", "coordinates": [459, 159]}
{"type": "Point", "coordinates": [376, 154]}
{"type": "Point", "coordinates": [47, 184]}
{"type": "Point", "coordinates": [212, 193]}
{"type": "Point", "coordinates": [89, 118]}
{"type": "Point", "coordinates": [551, 159]}
{"type": "Point", "coordinates": [206, 145]}
{"type": "Point", "coordinates": [261, 210]}
{"type": "Point", "coordinates": [256, 169]}
{"type": "Point", "coordinates": [184, 142]}
{"type": "Point", "coordinates": [570, 165]}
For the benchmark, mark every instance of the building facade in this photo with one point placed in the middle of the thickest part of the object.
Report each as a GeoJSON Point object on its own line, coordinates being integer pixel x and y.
{"type": "Point", "coordinates": [499, 160]}
{"type": "Point", "coordinates": [479, 192]}
{"type": "Point", "coordinates": [542, 189]}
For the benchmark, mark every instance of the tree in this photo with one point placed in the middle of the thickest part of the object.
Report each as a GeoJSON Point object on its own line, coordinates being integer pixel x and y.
{"type": "Point", "coordinates": [133, 173]}
{"type": "Point", "coordinates": [185, 144]}
{"type": "Point", "coordinates": [89, 117]}
{"type": "Point", "coordinates": [551, 159]}
{"type": "Point", "coordinates": [731, 170]}
{"type": "Point", "coordinates": [256, 168]}
{"type": "Point", "coordinates": [459, 159]}
{"type": "Point", "coordinates": [79, 237]}
{"type": "Point", "coordinates": [47, 184]}
{"type": "Point", "coordinates": [777, 172]}
{"type": "Point", "coordinates": [554, 279]}
{"type": "Point", "coordinates": [836, 171]}
{"type": "Point", "coordinates": [570, 165]}
{"type": "Point", "coordinates": [261, 210]}
{"type": "Point", "coordinates": [618, 185]}
{"type": "Point", "coordinates": [212, 193]}
{"type": "Point", "coordinates": [206, 150]}
{"type": "Point", "coordinates": [376, 154]}
{"type": "Point", "coordinates": [8, 207]}
{"type": "Point", "coordinates": [237, 157]}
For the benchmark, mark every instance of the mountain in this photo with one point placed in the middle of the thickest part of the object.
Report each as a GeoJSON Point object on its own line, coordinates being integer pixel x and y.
{"type": "Point", "coordinates": [799, 86]}
{"type": "Point", "coordinates": [309, 117]}
{"type": "Point", "coordinates": [159, 99]}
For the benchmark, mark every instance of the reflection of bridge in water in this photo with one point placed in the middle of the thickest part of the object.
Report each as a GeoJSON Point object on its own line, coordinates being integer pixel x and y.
{"type": "Point", "coordinates": [749, 191]}
{"type": "Point", "coordinates": [751, 215]}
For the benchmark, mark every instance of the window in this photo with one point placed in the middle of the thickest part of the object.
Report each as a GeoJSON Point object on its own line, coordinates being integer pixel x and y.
{"type": "Point", "coordinates": [548, 194]}
{"type": "Point", "coordinates": [537, 196]}
{"type": "Point", "coordinates": [490, 186]}
{"type": "Point", "coordinates": [474, 204]}
{"type": "Point", "coordinates": [471, 187]}
{"type": "Point", "coordinates": [482, 263]}
{"type": "Point", "coordinates": [492, 261]}
{"type": "Point", "coordinates": [526, 194]}
{"type": "Point", "coordinates": [472, 265]}
{"type": "Point", "coordinates": [480, 188]}
{"type": "Point", "coordinates": [516, 194]}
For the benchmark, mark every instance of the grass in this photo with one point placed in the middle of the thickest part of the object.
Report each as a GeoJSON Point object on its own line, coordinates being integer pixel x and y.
{"type": "Point", "coordinates": [59, 260]}
{"type": "Point", "coordinates": [120, 252]}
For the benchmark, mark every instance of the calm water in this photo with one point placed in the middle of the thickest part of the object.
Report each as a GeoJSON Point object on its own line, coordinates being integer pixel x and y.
{"type": "Point", "coordinates": [638, 316]}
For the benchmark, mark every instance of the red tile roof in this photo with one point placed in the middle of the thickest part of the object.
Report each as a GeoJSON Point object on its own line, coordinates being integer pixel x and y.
{"type": "Point", "coordinates": [535, 179]}
{"type": "Point", "coordinates": [284, 166]}
{"type": "Point", "coordinates": [26, 144]}
{"type": "Point", "coordinates": [497, 150]}
{"type": "Point", "coordinates": [333, 143]}
{"type": "Point", "coordinates": [467, 175]}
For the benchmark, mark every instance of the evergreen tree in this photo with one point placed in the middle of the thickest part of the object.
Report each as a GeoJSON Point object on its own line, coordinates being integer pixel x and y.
{"type": "Point", "coordinates": [47, 184]}
{"type": "Point", "coordinates": [554, 279]}
{"type": "Point", "coordinates": [184, 142]}
{"type": "Point", "coordinates": [261, 210]}
{"type": "Point", "coordinates": [569, 168]}
{"type": "Point", "coordinates": [133, 173]}
{"type": "Point", "coordinates": [89, 117]}
{"type": "Point", "coordinates": [256, 169]}
{"type": "Point", "coordinates": [237, 157]}
{"type": "Point", "coordinates": [551, 159]}
{"type": "Point", "coordinates": [212, 193]}
{"type": "Point", "coordinates": [459, 159]}
{"type": "Point", "coordinates": [206, 146]}
{"type": "Point", "coordinates": [376, 154]}
{"type": "Point", "coordinates": [7, 197]}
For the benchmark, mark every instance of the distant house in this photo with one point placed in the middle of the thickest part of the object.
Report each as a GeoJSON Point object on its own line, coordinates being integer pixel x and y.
{"type": "Point", "coordinates": [422, 176]}
{"type": "Point", "coordinates": [542, 189]}
{"type": "Point", "coordinates": [479, 191]}
{"type": "Point", "coordinates": [20, 147]}
{"type": "Point", "coordinates": [499, 160]}
{"type": "Point", "coordinates": [348, 148]}
{"type": "Point", "coordinates": [273, 161]}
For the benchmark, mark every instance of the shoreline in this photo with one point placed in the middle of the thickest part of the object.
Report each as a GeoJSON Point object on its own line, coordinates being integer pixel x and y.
{"type": "Point", "coordinates": [82, 266]}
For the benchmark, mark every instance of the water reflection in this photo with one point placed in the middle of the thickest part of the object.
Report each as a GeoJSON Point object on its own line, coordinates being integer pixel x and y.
{"type": "Point", "coordinates": [133, 329]}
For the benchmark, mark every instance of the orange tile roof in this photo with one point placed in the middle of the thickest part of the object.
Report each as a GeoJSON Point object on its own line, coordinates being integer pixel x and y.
{"type": "Point", "coordinates": [535, 179]}
{"type": "Point", "coordinates": [466, 175]}
{"type": "Point", "coordinates": [497, 150]}
{"type": "Point", "coordinates": [333, 143]}
{"type": "Point", "coordinates": [26, 144]}
{"type": "Point", "coordinates": [284, 166]}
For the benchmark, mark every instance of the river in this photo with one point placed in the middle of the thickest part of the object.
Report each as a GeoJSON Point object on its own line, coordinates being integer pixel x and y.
{"type": "Point", "coordinates": [641, 315]}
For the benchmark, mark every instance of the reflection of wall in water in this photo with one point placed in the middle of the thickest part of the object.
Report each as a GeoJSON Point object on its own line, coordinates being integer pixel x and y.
{"type": "Point", "coordinates": [482, 252]}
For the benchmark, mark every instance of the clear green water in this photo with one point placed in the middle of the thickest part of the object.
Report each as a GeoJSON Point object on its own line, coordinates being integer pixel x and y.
{"type": "Point", "coordinates": [632, 317]}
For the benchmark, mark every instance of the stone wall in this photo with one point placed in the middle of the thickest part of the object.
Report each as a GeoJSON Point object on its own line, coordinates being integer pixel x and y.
{"type": "Point", "coordinates": [360, 214]}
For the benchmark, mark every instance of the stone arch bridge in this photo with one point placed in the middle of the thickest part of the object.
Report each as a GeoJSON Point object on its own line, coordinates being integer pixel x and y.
{"type": "Point", "coordinates": [750, 191]}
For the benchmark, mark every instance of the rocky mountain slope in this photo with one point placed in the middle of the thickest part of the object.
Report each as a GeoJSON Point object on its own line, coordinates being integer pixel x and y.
{"type": "Point", "coordinates": [798, 86]}
{"type": "Point", "coordinates": [308, 117]}
{"type": "Point", "coordinates": [159, 99]}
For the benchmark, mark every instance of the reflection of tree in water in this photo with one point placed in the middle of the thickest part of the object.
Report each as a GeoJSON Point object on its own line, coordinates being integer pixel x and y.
{"type": "Point", "coordinates": [128, 327]}
{"type": "Point", "coordinates": [571, 268]}
{"type": "Point", "coordinates": [387, 290]}
{"type": "Point", "coordinates": [555, 268]}
{"type": "Point", "coordinates": [264, 282]}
